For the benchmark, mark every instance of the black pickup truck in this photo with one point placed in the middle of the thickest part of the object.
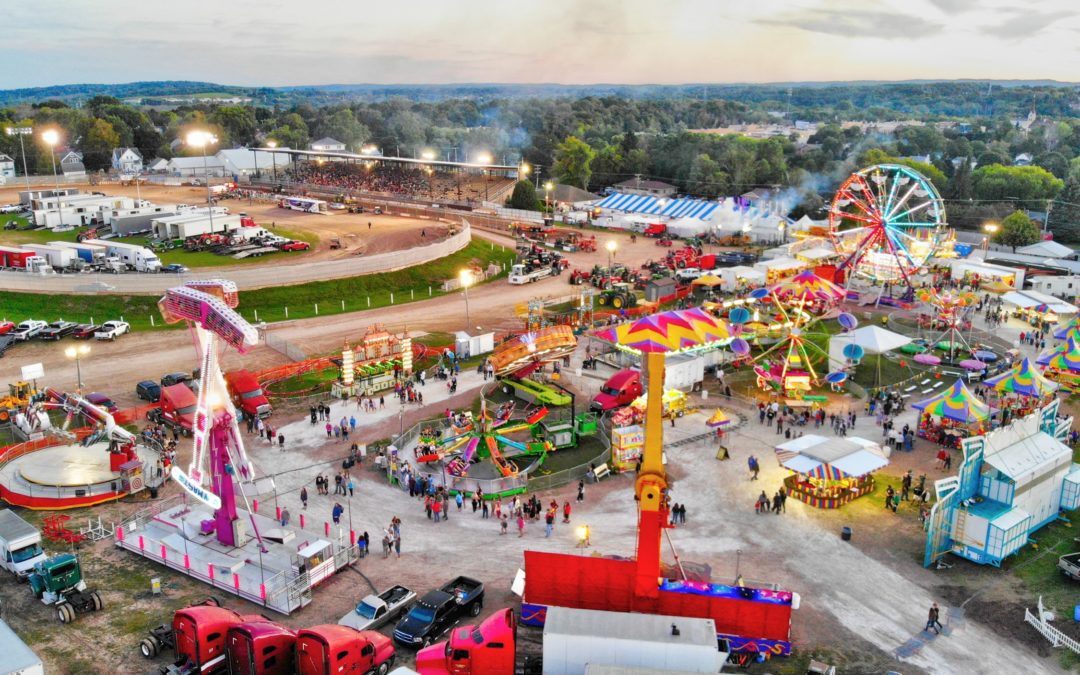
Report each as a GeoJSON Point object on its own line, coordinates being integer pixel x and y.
{"type": "Point", "coordinates": [437, 611]}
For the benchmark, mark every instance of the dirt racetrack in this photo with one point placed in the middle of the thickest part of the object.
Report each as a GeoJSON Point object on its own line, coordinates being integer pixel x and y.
{"type": "Point", "coordinates": [386, 233]}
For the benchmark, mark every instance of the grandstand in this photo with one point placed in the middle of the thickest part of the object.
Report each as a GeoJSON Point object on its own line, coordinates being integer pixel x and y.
{"type": "Point", "coordinates": [349, 173]}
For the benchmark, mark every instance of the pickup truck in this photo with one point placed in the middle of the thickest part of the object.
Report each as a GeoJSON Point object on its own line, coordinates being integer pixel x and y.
{"type": "Point", "coordinates": [28, 329]}
{"type": "Point", "coordinates": [376, 610]}
{"type": "Point", "coordinates": [58, 329]}
{"type": "Point", "coordinates": [438, 611]}
{"type": "Point", "coordinates": [110, 330]}
{"type": "Point", "coordinates": [525, 274]}
{"type": "Point", "coordinates": [1070, 565]}
{"type": "Point", "coordinates": [85, 331]}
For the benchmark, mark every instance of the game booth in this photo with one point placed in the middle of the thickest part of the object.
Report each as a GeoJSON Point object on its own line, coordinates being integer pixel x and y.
{"type": "Point", "coordinates": [1062, 364]}
{"type": "Point", "coordinates": [827, 473]}
{"type": "Point", "coordinates": [951, 416]}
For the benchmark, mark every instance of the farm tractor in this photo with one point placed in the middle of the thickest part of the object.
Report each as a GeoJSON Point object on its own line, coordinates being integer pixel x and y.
{"type": "Point", "coordinates": [58, 581]}
{"type": "Point", "coordinates": [91, 233]}
{"type": "Point", "coordinates": [19, 396]}
{"type": "Point", "coordinates": [618, 297]}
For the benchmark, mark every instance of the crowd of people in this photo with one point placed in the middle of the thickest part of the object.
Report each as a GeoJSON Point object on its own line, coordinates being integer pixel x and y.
{"type": "Point", "coordinates": [394, 178]}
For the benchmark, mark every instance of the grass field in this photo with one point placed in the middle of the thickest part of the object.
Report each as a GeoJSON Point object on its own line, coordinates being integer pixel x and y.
{"type": "Point", "coordinates": [270, 304]}
{"type": "Point", "coordinates": [192, 259]}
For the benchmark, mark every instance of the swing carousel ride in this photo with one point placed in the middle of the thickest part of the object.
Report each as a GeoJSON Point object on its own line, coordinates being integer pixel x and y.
{"type": "Point", "coordinates": [886, 221]}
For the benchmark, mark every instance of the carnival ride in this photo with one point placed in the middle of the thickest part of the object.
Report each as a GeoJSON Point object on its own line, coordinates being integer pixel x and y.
{"type": "Point", "coordinates": [207, 307]}
{"type": "Point", "coordinates": [886, 221]}
{"type": "Point", "coordinates": [950, 316]}
{"type": "Point", "coordinates": [798, 304]}
{"type": "Point", "coordinates": [486, 437]}
{"type": "Point", "coordinates": [753, 619]}
{"type": "Point", "coordinates": [517, 358]}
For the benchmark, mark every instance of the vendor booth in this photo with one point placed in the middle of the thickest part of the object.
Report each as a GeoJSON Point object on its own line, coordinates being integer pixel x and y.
{"type": "Point", "coordinates": [1037, 309]}
{"type": "Point", "coordinates": [779, 269]}
{"type": "Point", "coordinates": [827, 473]}
{"type": "Point", "coordinates": [1062, 364]}
{"type": "Point", "coordinates": [989, 276]}
{"type": "Point", "coordinates": [951, 416]}
{"type": "Point", "coordinates": [1022, 390]}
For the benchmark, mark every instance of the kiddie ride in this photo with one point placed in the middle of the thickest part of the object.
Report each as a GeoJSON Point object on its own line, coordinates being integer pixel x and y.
{"type": "Point", "coordinates": [754, 619]}
{"type": "Point", "coordinates": [58, 582]}
{"type": "Point", "coordinates": [518, 358]}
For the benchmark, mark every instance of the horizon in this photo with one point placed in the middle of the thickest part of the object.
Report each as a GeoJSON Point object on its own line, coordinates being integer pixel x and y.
{"type": "Point", "coordinates": [597, 43]}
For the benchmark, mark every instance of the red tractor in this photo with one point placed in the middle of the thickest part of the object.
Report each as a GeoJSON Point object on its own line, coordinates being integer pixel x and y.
{"type": "Point", "coordinates": [664, 241]}
{"type": "Point", "coordinates": [578, 277]}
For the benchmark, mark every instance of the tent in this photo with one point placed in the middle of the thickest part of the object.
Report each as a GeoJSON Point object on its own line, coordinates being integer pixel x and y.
{"type": "Point", "coordinates": [878, 340]}
{"type": "Point", "coordinates": [829, 472]}
{"type": "Point", "coordinates": [1023, 379]}
{"type": "Point", "coordinates": [709, 281]}
{"type": "Point", "coordinates": [1065, 357]}
{"type": "Point", "coordinates": [956, 403]}
{"type": "Point", "coordinates": [807, 287]}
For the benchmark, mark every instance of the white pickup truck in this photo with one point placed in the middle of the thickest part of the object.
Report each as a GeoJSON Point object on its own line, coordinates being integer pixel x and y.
{"type": "Point", "coordinates": [28, 329]}
{"type": "Point", "coordinates": [110, 330]}
{"type": "Point", "coordinates": [520, 274]}
{"type": "Point", "coordinates": [377, 610]}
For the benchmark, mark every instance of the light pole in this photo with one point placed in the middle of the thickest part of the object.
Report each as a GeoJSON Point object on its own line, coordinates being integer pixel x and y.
{"type": "Point", "coordinates": [466, 279]}
{"type": "Point", "coordinates": [273, 157]}
{"type": "Point", "coordinates": [77, 353]}
{"type": "Point", "coordinates": [20, 132]}
{"type": "Point", "coordinates": [485, 159]}
{"type": "Point", "coordinates": [51, 138]}
{"type": "Point", "coordinates": [611, 247]}
{"type": "Point", "coordinates": [201, 139]}
{"type": "Point", "coordinates": [990, 229]}
{"type": "Point", "coordinates": [548, 187]}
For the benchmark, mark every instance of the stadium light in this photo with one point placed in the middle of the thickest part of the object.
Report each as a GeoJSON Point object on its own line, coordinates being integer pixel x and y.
{"type": "Point", "coordinates": [524, 169]}
{"type": "Point", "coordinates": [273, 156]}
{"type": "Point", "coordinates": [20, 132]}
{"type": "Point", "coordinates": [428, 155]}
{"type": "Point", "coordinates": [484, 158]}
{"type": "Point", "coordinates": [77, 353]}
{"type": "Point", "coordinates": [201, 139]}
{"type": "Point", "coordinates": [51, 138]}
{"type": "Point", "coordinates": [611, 246]}
{"type": "Point", "coordinates": [368, 149]}
{"type": "Point", "coordinates": [466, 277]}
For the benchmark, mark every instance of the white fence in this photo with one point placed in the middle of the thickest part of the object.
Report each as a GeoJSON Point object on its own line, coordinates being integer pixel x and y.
{"type": "Point", "coordinates": [1055, 636]}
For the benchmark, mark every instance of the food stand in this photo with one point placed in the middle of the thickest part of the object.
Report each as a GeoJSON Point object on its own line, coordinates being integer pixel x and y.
{"type": "Point", "coordinates": [626, 446]}
{"type": "Point", "coordinates": [952, 415]}
{"type": "Point", "coordinates": [827, 473]}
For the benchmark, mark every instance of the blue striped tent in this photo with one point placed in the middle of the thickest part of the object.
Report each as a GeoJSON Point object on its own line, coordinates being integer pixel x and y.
{"type": "Point", "coordinates": [675, 208]}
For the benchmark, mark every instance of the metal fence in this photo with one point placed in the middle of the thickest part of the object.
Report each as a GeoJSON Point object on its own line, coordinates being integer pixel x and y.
{"type": "Point", "coordinates": [288, 348]}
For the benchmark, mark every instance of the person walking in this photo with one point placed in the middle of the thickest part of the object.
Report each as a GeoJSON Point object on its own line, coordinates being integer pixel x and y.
{"type": "Point", "coordinates": [336, 512]}
{"type": "Point", "coordinates": [502, 525]}
{"type": "Point", "coordinates": [754, 467]}
{"type": "Point", "coordinates": [350, 487]}
{"type": "Point", "coordinates": [521, 525]}
{"type": "Point", "coordinates": [329, 430]}
{"type": "Point", "coordinates": [483, 509]}
{"type": "Point", "coordinates": [460, 500]}
{"type": "Point", "coordinates": [581, 491]}
{"type": "Point", "coordinates": [285, 516]}
{"type": "Point", "coordinates": [933, 619]}
{"type": "Point", "coordinates": [303, 497]}
{"type": "Point", "coordinates": [783, 499]}
{"type": "Point", "coordinates": [436, 509]}
{"type": "Point", "coordinates": [281, 441]}
{"type": "Point", "coordinates": [566, 511]}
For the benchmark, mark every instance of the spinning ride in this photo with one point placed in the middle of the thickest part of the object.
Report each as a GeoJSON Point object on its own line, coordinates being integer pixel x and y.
{"type": "Point", "coordinates": [516, 359]}
{"type": "Point", "coordinates": [886, 221]}
{"type": "Point", "coordinates": [951, 316]}
{"type": "Point", "coordinates": [486, 437]}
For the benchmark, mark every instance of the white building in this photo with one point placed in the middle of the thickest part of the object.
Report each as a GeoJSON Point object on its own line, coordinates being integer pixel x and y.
{"type": "Point", "coordinates": [245, 162]}
{"type": "Point", "coordinates": [645, 187]}
{"type": "Point", "coordinates": [71, 165]}
{"type": "Point", "coordinates": [127, 160]}
{"type": "Point", "coordinates": [7, 166]}
{"type": "Point", "coordinates": [192, 224]}
{"type": "Point", "coordinates": [196, 166]}
{"type": "Point", "coordinates": [328, 145]}
{"type": "Point", "coordinates": [1048, 249]}
{"type": "Point", "coordinates": [159, 165]}
{"type": "Point", "coordinates": [1066, 287]}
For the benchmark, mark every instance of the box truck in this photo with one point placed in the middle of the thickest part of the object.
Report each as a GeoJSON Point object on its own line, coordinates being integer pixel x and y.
{"type": "Point", "coordinates": [138, 258]}
{"type": "Point", "coordinates": [59, 257]}
{"type": "Point", "coordinates": [89, 254]}
{"type": "Point", "coordinates": [14, 257]}
{"type": "Point", "coordinates": [20, 544]}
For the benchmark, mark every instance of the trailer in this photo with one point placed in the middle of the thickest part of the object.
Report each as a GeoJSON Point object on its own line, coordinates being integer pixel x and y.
{"type": "Point", "coordinates": [19, 659]}
{"type": "Point", "coordinates": [303, 204]}
{"type": "Point", "coordinates": [14, 257]}
{"type": "Point", "coordinates": [58, 257]}
{"type": "Point", "coordinates": [135, 257]}
{"type": "Point", "coordinates": [88, 253]}
{"type": "Point", "coordinates": [20, 544]}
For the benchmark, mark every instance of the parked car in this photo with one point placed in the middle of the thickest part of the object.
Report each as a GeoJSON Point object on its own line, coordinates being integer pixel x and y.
{"type": "Point", "coordinates": [58, 329]}
{"type": "Point", "coordinates": [148, 390]}
{"type": "Point", "coordinates": [175, 268]}
{"type": "Point", "coordinates": [175, 378]}
{"type": "Point", "coordinates": [437, 611]}
{"type": "Point", "coordinates": [375, 611]}
{"type": "Point", "coordinates": [102, 401]}
{"type": "Point", "coordinates": [28, 329]}
{"type": "Point", "coordinates": [6, 327]}
{"type": "Point", "coordinates": [86, 331]}
{"type": "Point", "coordinates": [688, 274]}
{"type": "Point", "coordinates": [295, 246]}
{"type": "Point", "coordinates": [110, 330]}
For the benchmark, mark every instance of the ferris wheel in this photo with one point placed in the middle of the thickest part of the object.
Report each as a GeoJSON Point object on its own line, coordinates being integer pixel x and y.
{"type": "Point", "coordinates": [886, 221]}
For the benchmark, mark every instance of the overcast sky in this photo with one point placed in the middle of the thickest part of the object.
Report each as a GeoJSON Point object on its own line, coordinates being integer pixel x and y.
{"type": "Point", "coordinates": [278, 42]}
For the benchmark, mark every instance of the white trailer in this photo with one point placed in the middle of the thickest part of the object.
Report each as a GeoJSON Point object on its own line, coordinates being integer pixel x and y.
{"type": "Point", "coordinates": [90, 253]}
{"type": "Point", "coordinates": [575, 639]}
{"type": "Point", "coordinates": [520, 274]}
{"type": "Point", "coordinates": [303, 204]}
{"type": "Point", "coordinates": [684, 372]}
{"type": "Point", "coordinates": [20, 544]}
{"type": "Point", "coordinates": [138, 258]}
{"type": "Point", "coordinates": [18, 659]}
{"type": "Point", "coordinates": [58, 257]}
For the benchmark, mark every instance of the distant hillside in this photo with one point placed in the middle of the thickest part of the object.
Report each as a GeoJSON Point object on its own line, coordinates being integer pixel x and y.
{"type": "Point", "coordinates": [77, 92]}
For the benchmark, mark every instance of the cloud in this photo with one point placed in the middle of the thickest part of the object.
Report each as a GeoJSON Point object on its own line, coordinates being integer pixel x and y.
{"type": "Point", "coordinates": [1024, 24]}
{"type": "Point", "coordinates": [859, 23]}
{"type": "Point", "coordinates": [954, 6]}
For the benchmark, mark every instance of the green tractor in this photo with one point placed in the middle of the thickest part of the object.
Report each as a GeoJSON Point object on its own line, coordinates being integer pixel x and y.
{"type": "Point", "coordinates": [58, 581]}
{"type": "Point", "coordinates": [618, 297]}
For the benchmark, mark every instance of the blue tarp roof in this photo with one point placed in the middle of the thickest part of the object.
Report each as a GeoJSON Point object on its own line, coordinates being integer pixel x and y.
{"type": "Point", "coordinates": [675, 208]}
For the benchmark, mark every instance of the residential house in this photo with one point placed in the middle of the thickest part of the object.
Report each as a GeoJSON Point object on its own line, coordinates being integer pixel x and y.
{"type": "Point", "coordinates": [645, 187]}
{"type": "Point", "coordinates": [1023, 159]}
{"type": "Point", "coordinates": [328, 144]}
{"type": "Point", "coordinates": [1012, 481]}
{"type": "Point", "coordinates": [127, 161]}
{"type": "Point", "coordinates": [159, 165]}
{"type": "Point", "coordinates": [7, 166]}
{"type": "Point", "coordinates": [71, 165]}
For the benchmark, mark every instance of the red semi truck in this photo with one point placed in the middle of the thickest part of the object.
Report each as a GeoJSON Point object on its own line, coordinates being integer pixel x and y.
{"type": "Point", "coordinates": [176, 408]}
{"type": "Point", "coordinates": [486, 649]}
{"type": "Point", "coordinates": [247, 395]}
{"type": "Point", "coordinates": [197, 638]}
{"type": "Point", "coordinates": [260, 648]}
{"type": "Point", "coordinates": [332, 648]}
{"type": "Point", "coordinates": [14, 257]}
{"type": "Point", "coordinates": [620, 389]}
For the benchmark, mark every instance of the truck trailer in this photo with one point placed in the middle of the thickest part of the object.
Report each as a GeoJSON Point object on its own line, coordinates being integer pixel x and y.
{"type": "Point", "coordinates": [14, 258]}
{"type": "Point", "coordinates": [59, 257]}
{"type": "Point", "coordinates": [138, 258]}
{"type": "Point", "coordinates": [88, 253]}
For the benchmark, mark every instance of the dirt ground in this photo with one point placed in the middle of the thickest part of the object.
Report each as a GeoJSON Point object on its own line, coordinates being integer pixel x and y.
{"type": "Point", "coordinates": [386, 233]}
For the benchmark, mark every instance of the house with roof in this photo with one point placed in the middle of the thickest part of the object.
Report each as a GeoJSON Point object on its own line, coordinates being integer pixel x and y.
{"type": "Point", "coordinates": [1012, 481]}
{"type": "Point", "coordinates": [159, 165]}
{"type": "Point", "coordinates": [1023, 159]}
{"type": "Point", "coordinates": [127, 160]}
{"type": "Point", "coordinates": [327, 144]}
{"type": "Point", "coordinates": [71, 165]}
{"type": "Point", "coordinates": [7, 166]}
{"type": "Point", "coordinates": [246, 162]}
{"type": "Point", "coordinates": [645, 187]}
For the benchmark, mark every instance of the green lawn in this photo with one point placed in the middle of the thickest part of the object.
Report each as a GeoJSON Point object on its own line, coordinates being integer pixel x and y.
{"type": "Point", "coordinates": [269, 304]}
{"type": "Point", "coordinates": [306, 381]}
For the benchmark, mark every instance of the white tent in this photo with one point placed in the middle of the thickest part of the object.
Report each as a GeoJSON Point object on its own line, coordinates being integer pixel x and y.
{"type": "Point", "coordinates": [873, 340]}
{"type": "Point", "coordinates": [687, 227]}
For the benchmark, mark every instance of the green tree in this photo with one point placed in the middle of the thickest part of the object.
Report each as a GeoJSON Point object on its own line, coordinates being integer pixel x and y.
{"type": "Point", "coordinates": [237, 124]}
{"type": "Point", "coordinates": [524, 196]}
{"type": "Point", "coordinates": [1065, 214]}
{"type": "Point", "coordinates": [960, 185]}
{"type": "Point", "coordinates": [98, 138]}
{"type": "Point", "coordinates": [343, 126]}
{"type": "Point", "coordinates": [1017, 229]}
{"type": "Point", "coordinates": [573, 162]}
{"type": "Point", "coordinates": [1029, 185]}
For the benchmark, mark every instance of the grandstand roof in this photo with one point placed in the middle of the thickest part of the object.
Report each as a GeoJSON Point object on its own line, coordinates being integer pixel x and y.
{"type": "Point", "coordinates": [570, 193]}
{"type": "Point", "coordinates": [397, 160]}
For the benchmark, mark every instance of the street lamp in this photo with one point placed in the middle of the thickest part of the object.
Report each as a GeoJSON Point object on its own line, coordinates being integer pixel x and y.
{"type": "Point", "coordinates": [466, 278]}
{"type": "Point", "coordinates": [990, 229]}
{"type": "Point", "coordinates": [524, 170]}
{"type": "Point", "coordinates": [427, 155]}
{"type": "Point", "coordinates": [485, 159]}
{"type": "Point", "coordinates": [273, 157]}
{"type": "Point", "coordinates": [77, 353]}
{"type": "Point", "coordinates": [20, 132]}
{"type": "Point", "coordinates": [51, 138]}
{"type": "Point", "coordinates": [201, 139]}
{"type": "Point", "coordinates": [548, 187]}
{"type": "Point", "coordinates": [611, 246]}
